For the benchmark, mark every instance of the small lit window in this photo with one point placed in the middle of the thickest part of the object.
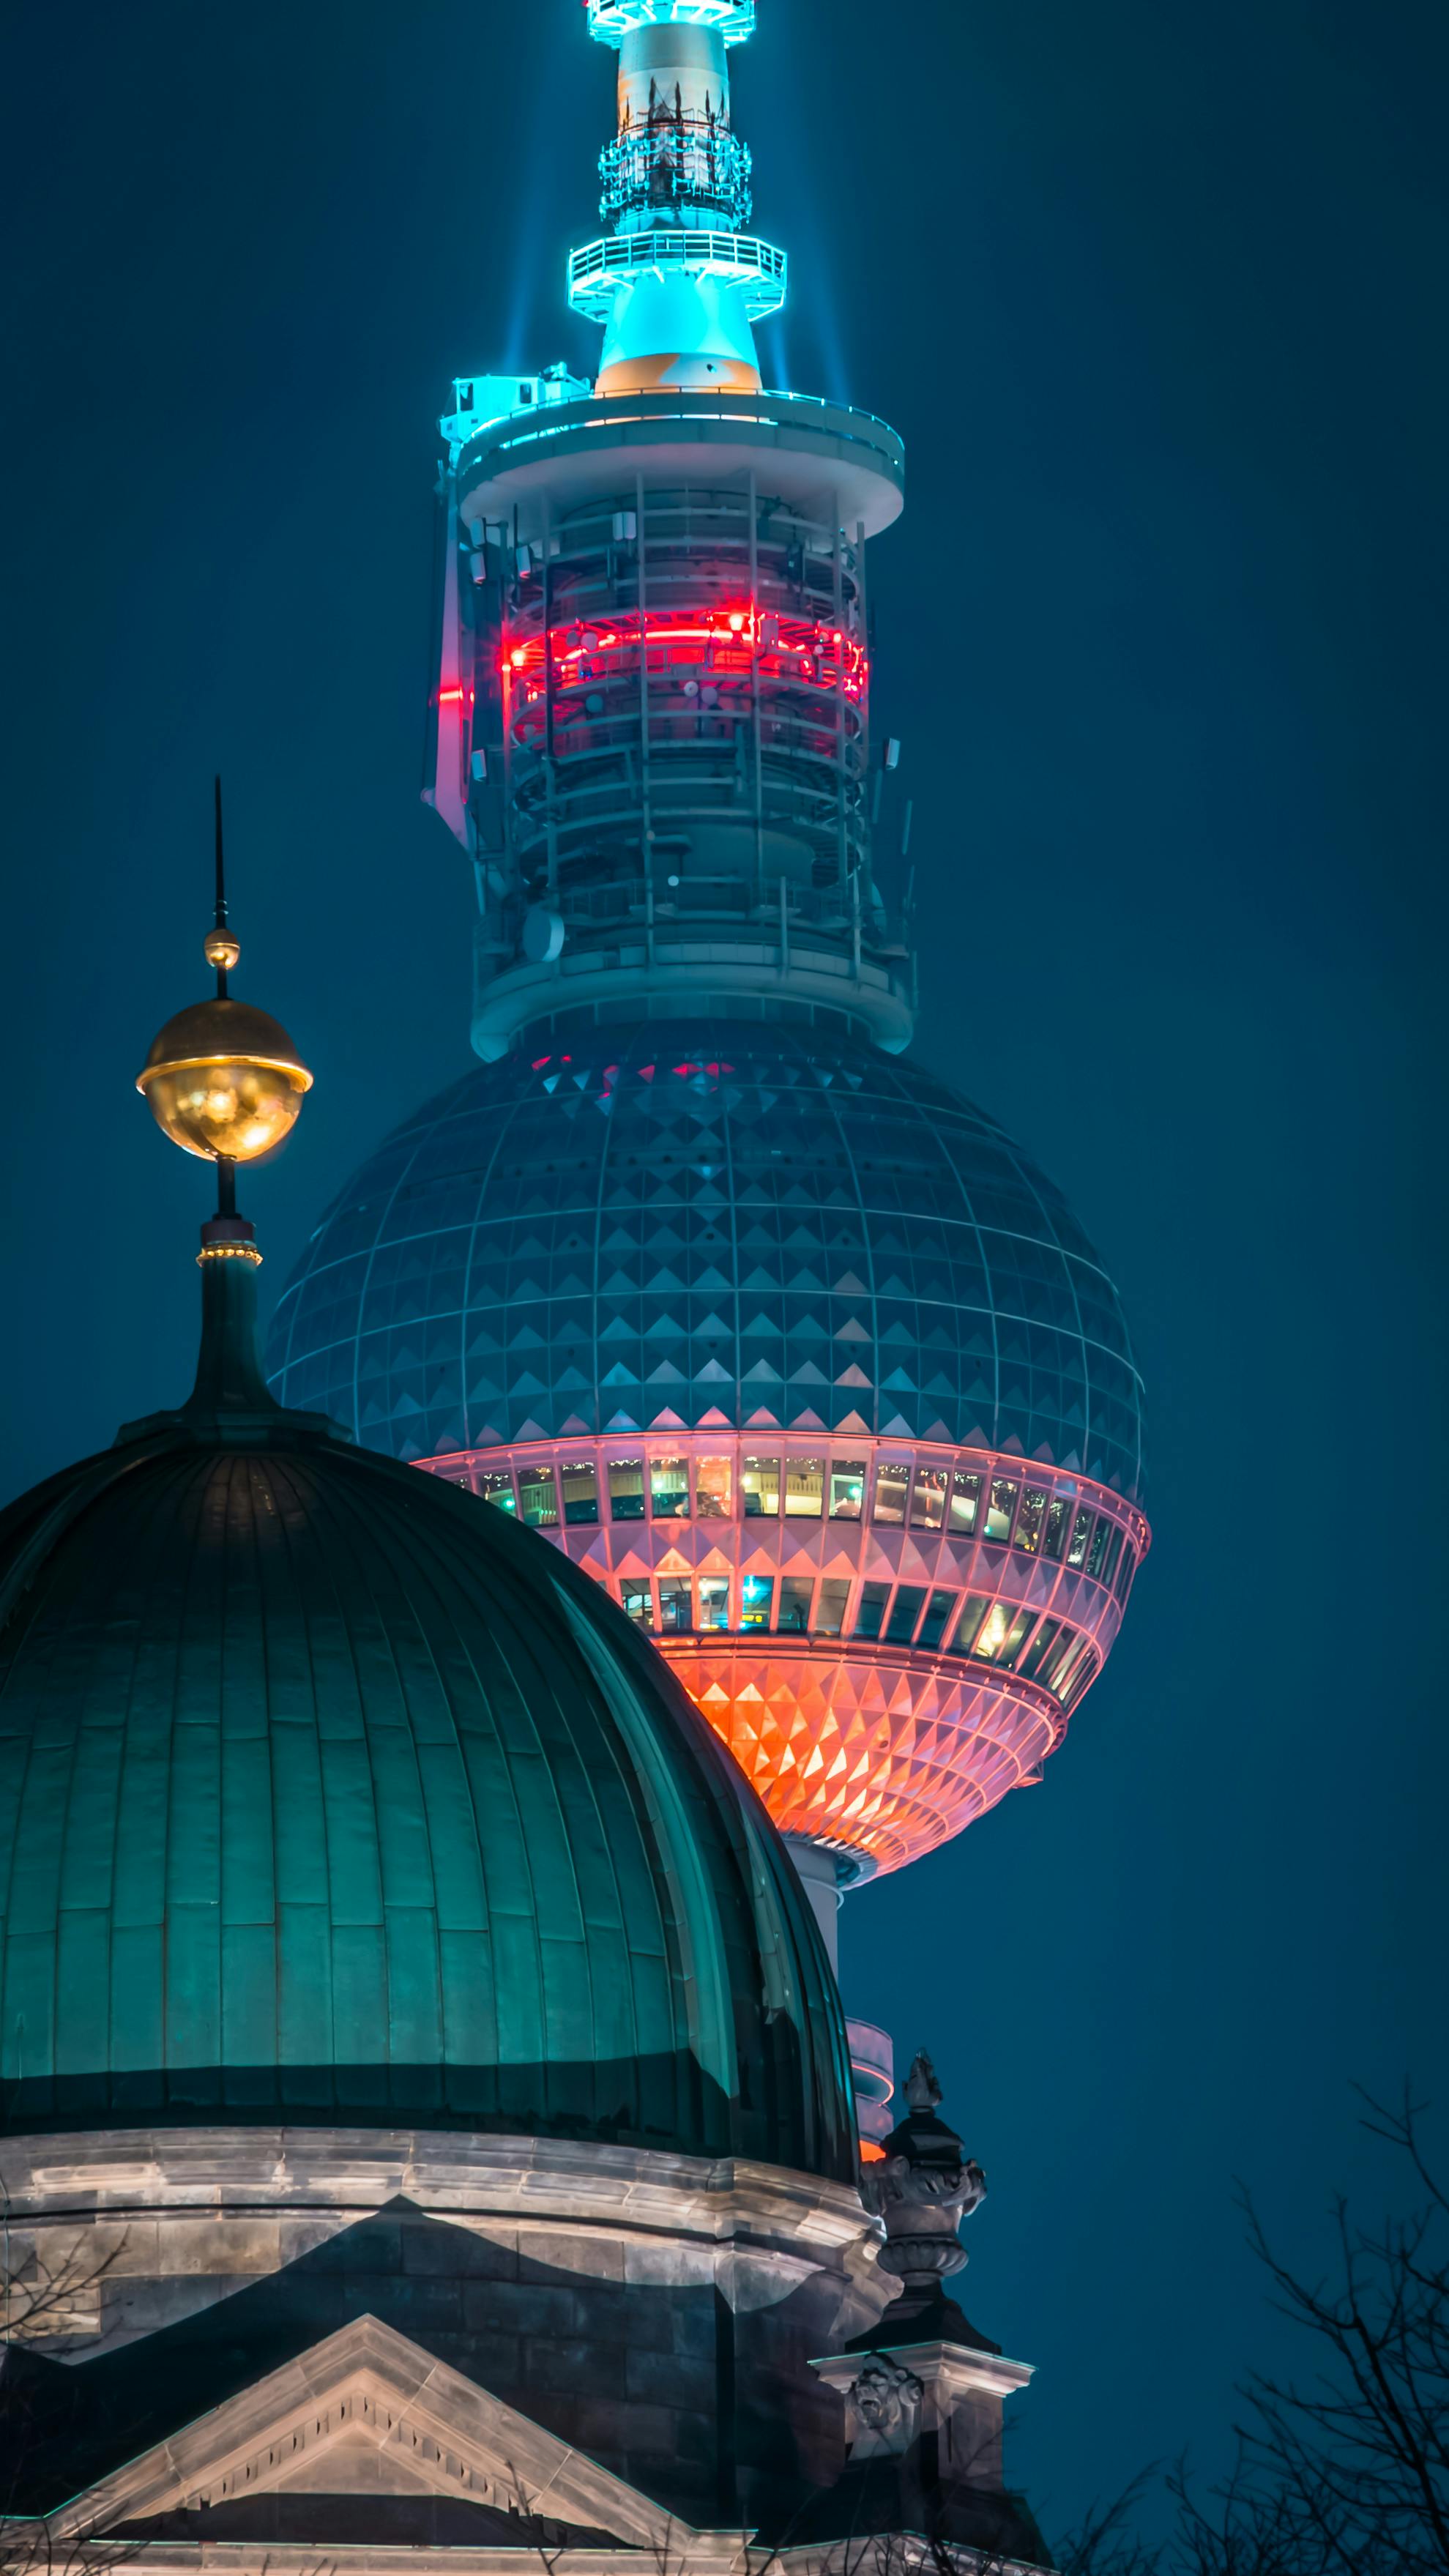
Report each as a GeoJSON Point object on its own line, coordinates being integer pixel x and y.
{"type": "Point", "coordinates": [1100, 1536]}
{"type": "Point", "coordinates": [1109, 1562]}
{"type": "Point", "coordinates": [538, 1497]}
{"type": "Point", "coordinates": [905, 1611]}
{"type": "Point", "coordinates": [928, 1498]}
{"type": "Point", "coordinates": [676, 1609]}
{"type": "Point", "coordinates": [669, 1489]}
{"type": "Point", "coordinates": [1029, 1523]}
{"type": "Point", "coordinates": [968, 1626]}
{"type": "Point", "coordinates": [712, 1486]}
{"type": "Point", "coordinates": [626, 1489]}
{"type": "Point", "coordinates": [638, 1602]}
{"type": "Point", "coordinates": [714, 1601]}
{"type": "Point", "coordinates": [1125, 1572]}
{"type": "Point", "coordinates": [804, 1488]}
{"type": "Point", "coordinates": [1062, 1662]}
{"type": "Point", "coordinates": [1081, 1532]}
{"type": "Point", "coordinates": [1000, 1508]}
{"type": "Point", "coordinates": [933, 1626]}
{"type": "Point", "coordinates": [1056, 1531]}
{"type": "Point", "coordinates": [580, 1491]}
{"type": "Point", "coordinates": [830, 1608]}
{"type": "Point", "coordinates": [760, 1486]}
{"type": "Point", "coordinates": [870, 1609]}
{"type": "Point", "coordinates": [965, 1502]}
{"type": "Point", "coordinates": [847, 1488]}
{"type": "Point", "coordinates": [498, 1489]}
{"type": "Point", "coordinates": [793, 1615]}
{"type": "Point", "coordinates": [756, 1592]}
{"type": "Point", "coordinates": [1039, 1649]}
{"type": "Point", "coordinates": [992, 1635]}
{"type": "Point", "coordinates": [892, 1483]}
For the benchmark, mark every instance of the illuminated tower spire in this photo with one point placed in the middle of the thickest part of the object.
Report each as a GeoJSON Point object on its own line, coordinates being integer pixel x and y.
{"type": "Point", "coordinates": [677, 282]}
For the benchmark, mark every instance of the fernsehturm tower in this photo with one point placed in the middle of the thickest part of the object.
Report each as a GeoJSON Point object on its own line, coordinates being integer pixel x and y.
{"type": "Point", "coordinates": [698, 1273]}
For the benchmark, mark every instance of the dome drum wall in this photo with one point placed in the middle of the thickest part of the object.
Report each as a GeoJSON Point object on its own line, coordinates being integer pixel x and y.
{"type": "Point", "coordinates": [608, 2293]}
{"type": "Point", "coordinates": [887, 1637]}
{"type": "Point", "coordinates": [685, 1247]}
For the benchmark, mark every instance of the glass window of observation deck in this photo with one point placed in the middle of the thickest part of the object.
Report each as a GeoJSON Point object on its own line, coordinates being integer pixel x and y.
{"type": "Point", "coordinates": [804, 1488]}
{"type": "Point", "coordinates": [1081, 1532]}
{"type": "Point", "coordinates": [1039, 1649]}
{"type": "Point", "coordinates": [713, 1482]}
{"type": "Point", "coordinates": [968, 1626]}
{"type": "Point", "coordinates": [1000, 1508]}
{"type": "Point", "coordinates": [760, 1486]}
{"type": "Point", "coordinates": [669, 1489]}
{"type": "Point", "coordinates": [794, 1612]}
{"type": "Point", "coordinates": [1030, 1519]}
{"type": "Point", "coordinates": [905, 1611]}
{"type": "Point", "coordinates": [1101, 1539]}
{"type": "Point", "coordinates": [497, 1488]}
{"type": "Point", "coordinates": [965, 1502]}
{"type": "Point", "coordinates": [580, 1492]}
{"type": "Point", "coordinates": [714, 1601]}
{"type": "Point", "coordinates": [1055, 1539]}
{"type": "Point", "coordinates": [847, 1488]}
{"type": "Point", "coordinates": [892, 1484]}
{"type": "Point", "coordinates": [676, 1608]}
{"type": "Point", "coordinates": [626, 1489]}
{"type": "Point", "coordinates": [638, 1602]}
{"type": "Point", "coordinates": [928, 1498]}
{"type": "Point", "coordinates": [870, 1610]}
{"type": "Point", "coordinates": [933, 1626]}
{"type": "Point", "coordinates": [756, 1596]}
{"type": "Point", "coordinates": [830, 1608]}
{"type": "Point", "coordinates": [538, 1497]}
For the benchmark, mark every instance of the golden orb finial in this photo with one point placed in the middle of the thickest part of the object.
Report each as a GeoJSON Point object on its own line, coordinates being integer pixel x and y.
{"type": "Point", "coordinates": [222, 1078]}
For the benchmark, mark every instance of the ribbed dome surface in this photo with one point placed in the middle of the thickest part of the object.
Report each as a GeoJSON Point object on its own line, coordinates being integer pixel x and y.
{"type": "Point", "coordinates": [717, 1220]}
{"type": "Point", "coordinates": [327, 1794]}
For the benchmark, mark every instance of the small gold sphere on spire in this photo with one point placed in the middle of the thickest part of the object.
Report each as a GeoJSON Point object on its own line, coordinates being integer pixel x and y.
{"type": "Point", "coordinates": [222, 950]}
{"type": "Point", "coordinates": [224, 1080]}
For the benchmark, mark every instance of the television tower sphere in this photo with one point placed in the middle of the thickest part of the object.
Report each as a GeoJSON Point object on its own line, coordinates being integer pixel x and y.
{"type": "Point", "coordinates": [773, 1333]}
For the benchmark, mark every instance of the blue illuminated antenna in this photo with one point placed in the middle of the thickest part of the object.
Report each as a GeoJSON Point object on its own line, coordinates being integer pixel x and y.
{"type": "Point", "coordinates": [678, 281]}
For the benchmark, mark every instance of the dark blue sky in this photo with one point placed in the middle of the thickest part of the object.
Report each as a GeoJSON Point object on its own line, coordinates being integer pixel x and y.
{"type": "Point", "coordinates": [1155, 295]}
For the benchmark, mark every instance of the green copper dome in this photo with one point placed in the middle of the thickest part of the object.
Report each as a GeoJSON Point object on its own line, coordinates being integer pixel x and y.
{"type": "Point", "coordinates": [328, 1795]}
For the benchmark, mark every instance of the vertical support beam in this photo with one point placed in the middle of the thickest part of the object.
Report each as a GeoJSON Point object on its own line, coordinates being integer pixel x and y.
{"type": "Point", "coordinates": [550, 782]}
{"type": "Point", "coordinates": [646, 803]}
{"type": "Point", "coordinates": [755, 692]}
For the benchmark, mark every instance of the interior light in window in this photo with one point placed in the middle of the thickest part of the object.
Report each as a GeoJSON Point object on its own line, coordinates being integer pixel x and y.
{"type": "Point", "coordinates": [498, 1489]}
{"type": "Point", "coordinates": [1039, 1649]}
{"type": "Point", "coordinates": [669, 1489]}
{"type": "Point", "coordinates": [804, 1488]}
{"type": "Point", "coordinates": [714, 1601]}
{"type": "Point", "coordinates": [1016, 1637]}
{"type": "Point", "coordinates": [847, 1488]}
{"type": "Point", "coordinates": [756, 1592]}
{"type": "Point", "coordinates": [965, 1501]}
{"type": "Point", "coordinates": [928, 1498]}
{"type": "Point", "coordinates": [538, 1497]}
{"type": "Point", "coordinates": [968, 1626]}
{"type": "Point", "coordinates": [1100, 1536]}
{"type": "Point", "coordinates": [1030, 1519]}
{"type": "Point", "coordinates": [1081, 1532]}
{"type": "Point", "coordinates": [892, 1483]}
{"type": "Point", "coordinates": [760, 1487]}
{"type": "Point", "coordinates": [870, 1609]}
{"type": "Point", "coordinates": [580, 1492]}
{"type": "Point", "coordinates": [1000, 1508]}
{"type": "Point", "coordinates": [626, 1489]}
{"type": "Point", "coordinates": [992, 1635]}
{"type": "Point", "coordinates": [1056, 1531]}
{"type": "Point", "coordinates": [713, 1479]}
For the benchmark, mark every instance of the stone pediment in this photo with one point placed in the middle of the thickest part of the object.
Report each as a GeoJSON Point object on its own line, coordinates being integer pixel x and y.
{"type": "Point", "coordinates": [367, 2411]}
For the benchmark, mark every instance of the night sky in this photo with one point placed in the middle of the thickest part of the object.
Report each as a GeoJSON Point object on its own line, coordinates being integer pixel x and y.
{"type": "Point", "coordinates": [1155, 294]}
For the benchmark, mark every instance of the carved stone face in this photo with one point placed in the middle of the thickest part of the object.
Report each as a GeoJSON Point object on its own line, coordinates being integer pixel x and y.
{"type": "Point", "coordinates": [887, 2401]}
